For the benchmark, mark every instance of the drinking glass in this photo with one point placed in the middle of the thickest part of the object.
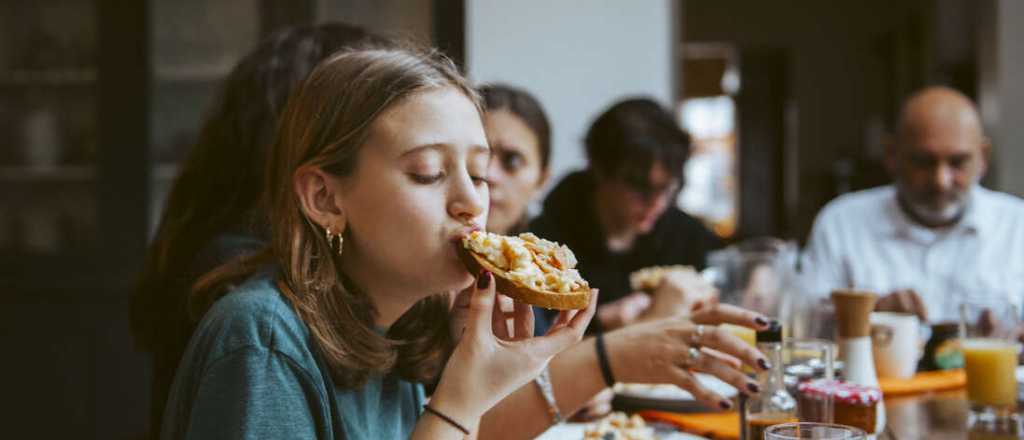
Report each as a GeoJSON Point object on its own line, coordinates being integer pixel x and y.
{"type": "Point", "coordinates": [816, 431]}
{"type": "Point", "coordinates": [756, 274]}
{"type": "Point", "coordinates": [990, 349]}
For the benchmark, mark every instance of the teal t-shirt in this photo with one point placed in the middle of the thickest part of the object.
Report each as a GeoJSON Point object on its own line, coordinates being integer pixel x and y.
{"type": "Point", "coordinates": [251, 372]}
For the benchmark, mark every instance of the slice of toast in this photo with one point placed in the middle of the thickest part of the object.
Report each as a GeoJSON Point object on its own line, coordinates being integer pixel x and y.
{"type": "Point", "coordinates": [511, 286]}
{"type": "Point", "coordinates": [649, 278]}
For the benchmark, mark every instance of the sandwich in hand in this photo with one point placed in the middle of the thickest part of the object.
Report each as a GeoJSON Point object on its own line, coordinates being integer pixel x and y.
{"type": "Point", "coordinates": [649, 279]}
{"type": "Point", "coordinates": [528, 268]}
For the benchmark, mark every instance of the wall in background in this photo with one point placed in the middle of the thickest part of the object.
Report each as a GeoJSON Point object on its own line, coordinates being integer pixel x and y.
{"type": "Point", "coordinates": [401, 19]}
{"type": "Point", "coordinates": [577, 60]}
{"type": "Point", "coordinates": [850, 62]}
{"type": "Point", "coordinates": [1002, 93]}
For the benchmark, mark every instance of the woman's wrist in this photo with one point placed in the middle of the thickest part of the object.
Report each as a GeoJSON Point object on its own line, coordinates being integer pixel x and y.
{"type": "Point", "coordinates": [603, 361]}
{"type": "Point", "coordinates": [452, 423]}
{"type": "Point", "coordinates": [449, 399]}
{"type": "Point", "coordinates": [617, 352]}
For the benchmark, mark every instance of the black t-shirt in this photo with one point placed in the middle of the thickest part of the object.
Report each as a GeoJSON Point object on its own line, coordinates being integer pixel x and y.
{"type": "Point", "coordinates": [570, 217]}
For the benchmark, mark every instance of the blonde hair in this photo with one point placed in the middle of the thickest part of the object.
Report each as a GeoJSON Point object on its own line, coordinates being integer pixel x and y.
{"type": "Point", "coordinates": [325, 123]}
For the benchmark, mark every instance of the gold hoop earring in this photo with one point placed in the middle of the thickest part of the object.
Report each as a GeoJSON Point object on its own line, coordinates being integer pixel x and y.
{"type": "Point", "coordinates": [330, 239]}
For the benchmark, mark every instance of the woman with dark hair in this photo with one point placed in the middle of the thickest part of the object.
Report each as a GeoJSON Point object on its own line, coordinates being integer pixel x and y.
{"type": "Point", "coordinates": [212, 214]}
{"type": "Point", "coordinates": [618, 217]}
{"type": "Point", "coordinates": [520, 137]}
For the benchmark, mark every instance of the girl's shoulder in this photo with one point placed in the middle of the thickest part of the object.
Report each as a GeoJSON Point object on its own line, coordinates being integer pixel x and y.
{"type": "Point", "coordinates": [254, 315]}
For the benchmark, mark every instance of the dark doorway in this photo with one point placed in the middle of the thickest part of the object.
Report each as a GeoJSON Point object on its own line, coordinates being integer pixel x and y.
{"type": "Point", "coordinates": [761, 115]}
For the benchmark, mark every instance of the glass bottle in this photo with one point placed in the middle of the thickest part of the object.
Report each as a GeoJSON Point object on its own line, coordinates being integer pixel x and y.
{"type": "Point", "coordinates": [773, 405]}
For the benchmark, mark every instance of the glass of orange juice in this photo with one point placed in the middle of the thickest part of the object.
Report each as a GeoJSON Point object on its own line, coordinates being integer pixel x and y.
{"type": "Point", "coordinates": [990, 348]}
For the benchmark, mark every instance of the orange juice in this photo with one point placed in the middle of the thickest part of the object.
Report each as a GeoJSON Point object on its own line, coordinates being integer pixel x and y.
{"type": "Point", "coordinates": [990, 365]}
{"type": "Point", "coordinates": [748, 335]}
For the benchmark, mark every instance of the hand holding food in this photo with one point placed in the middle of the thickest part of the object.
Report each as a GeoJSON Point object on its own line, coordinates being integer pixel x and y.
{"type": "Point", "coordinates": [623, 311]}
{"type": "Point", "coordinates": [487, 365]}
{"type": "Point", "coordinates": [675, 290]}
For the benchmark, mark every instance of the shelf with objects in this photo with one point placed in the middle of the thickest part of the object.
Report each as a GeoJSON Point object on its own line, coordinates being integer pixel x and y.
{"type": "Point", "coordinates": [49, 98]}
{"type": "Point", "coordinates": [191, 53]}
{"type": "Point", "coordinates": [83, 76]}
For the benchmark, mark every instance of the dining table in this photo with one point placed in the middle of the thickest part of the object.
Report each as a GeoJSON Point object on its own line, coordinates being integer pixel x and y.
{"type": "Point", "coordinates": [934, 416]}
{"type": "Point", "coordinates": [941, 415]}
{"type": "Point", "coordinates": [931, 416]}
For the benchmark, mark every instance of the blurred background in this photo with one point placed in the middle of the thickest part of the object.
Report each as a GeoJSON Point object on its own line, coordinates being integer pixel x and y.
{"type": "Point", "coordinates": [790, 103]}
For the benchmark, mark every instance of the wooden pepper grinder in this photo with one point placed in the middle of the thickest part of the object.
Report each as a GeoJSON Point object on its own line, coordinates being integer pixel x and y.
{"type": "Point", "coordinates": [853, 312]}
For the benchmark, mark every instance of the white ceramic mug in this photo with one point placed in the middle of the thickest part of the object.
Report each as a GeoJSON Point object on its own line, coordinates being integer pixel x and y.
{"type": "Point", "coordinates": [895, 344]}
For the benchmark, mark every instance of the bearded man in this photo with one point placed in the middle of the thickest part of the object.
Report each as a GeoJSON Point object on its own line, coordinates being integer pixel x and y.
{"type": "Point", "coordinates": [933, 239]}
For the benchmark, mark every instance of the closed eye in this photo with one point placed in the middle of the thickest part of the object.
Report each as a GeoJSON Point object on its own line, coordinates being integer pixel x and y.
{"type": "Point", "coordinates": [426, 179]}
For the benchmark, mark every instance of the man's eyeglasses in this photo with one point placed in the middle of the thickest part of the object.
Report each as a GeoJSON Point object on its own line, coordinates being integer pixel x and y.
{"type": "Point", "coordinates": [648, 191]}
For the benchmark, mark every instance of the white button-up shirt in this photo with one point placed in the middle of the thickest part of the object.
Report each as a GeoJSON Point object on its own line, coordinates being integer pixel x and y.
{"type": "Point", "coordinates": [864, 240]}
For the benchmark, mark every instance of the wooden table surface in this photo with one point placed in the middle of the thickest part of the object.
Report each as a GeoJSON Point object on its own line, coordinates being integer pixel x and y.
{"type": "Point", "coordinates": [937, 416]}
{"type": "Point", "coordinates": [931, 416]}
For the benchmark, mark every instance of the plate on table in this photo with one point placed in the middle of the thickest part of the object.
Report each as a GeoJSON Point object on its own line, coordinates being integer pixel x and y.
{"type": "Point", "coordinates": [574, 431]}
{"type": "Point", "coordinates": [665, 397]}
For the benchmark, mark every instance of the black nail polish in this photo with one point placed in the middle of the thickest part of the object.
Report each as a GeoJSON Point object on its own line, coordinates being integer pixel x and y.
{"type": "Point", "coordinates": [753, 388]}
{"type": "Point", "coordinates": [760, 320]}
{"type": "Point", "coordinates": [765, 365]}
{"type": "Point", "coordinates": [725, 404]}
{"type": "Point", "coordinates": [483, 280]}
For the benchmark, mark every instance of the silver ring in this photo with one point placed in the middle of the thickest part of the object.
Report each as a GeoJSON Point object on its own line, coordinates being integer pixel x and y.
{"type": "Point", "coordinates": [697, 335]}
{"type": "Point", "coordinates": [692, 355]}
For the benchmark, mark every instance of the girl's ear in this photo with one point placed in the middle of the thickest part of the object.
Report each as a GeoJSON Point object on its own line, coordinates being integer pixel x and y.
{"type": "Point", "coordinates": [545, 174]}
{"type": "Point", "coordinates": [319, 197]}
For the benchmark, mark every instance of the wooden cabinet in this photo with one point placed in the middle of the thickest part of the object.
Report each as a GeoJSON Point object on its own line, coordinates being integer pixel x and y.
{"type": "Point", "coordinates": [48, 106]}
